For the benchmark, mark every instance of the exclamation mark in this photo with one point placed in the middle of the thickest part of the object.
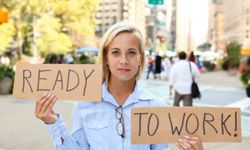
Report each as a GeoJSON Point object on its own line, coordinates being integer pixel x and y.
{"type": "Point", "coordinates": [235, 127]}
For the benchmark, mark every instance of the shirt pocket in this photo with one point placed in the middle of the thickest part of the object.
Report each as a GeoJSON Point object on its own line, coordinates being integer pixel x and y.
{"type": "Point", "coordinates": [97, 129]}
{"type": "Point", "coordinates": [97, 125]}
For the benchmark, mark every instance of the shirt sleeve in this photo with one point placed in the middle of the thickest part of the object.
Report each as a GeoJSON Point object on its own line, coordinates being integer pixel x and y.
{"type": "Point", "coordinates": [159, 147]}
{"type": "Point", "coordinates": [62, 140]}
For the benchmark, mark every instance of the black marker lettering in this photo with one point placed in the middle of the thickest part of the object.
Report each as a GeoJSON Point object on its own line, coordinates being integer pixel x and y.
{"type": "Point", "coordinates": [208, 121]}
{"type": "Point", "coordinates": [39, 78]}
{"type": "Point", "coordinates": [69, 72]}
{"type": "Point", "coordinates": [235, 127]}
{"type": "Point", "coordinates": [223, 124]}
{"type": "Point", "coordinates": [58, 80]}
{"type": "Point", "coordinates": [176, 128]}
{"type": "Point", "coordinates": [149, 123]}
{"type": "Point", "coordinates": [86, 79]}
{"type": "Point", "coordinates": [140, 114]}
{"type": "Point", "coordinates": [187, 123]}
{"type": "Point", "coordinates": [26, 78]}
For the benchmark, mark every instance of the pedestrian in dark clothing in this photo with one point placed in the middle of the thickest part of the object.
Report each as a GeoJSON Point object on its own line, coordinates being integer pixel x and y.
{"type": "Point", "coordinates": [191, 57]}
{"type": "Point", "coordinates": [157, 71]}
{"type": "Point", "coordinates": [150, 66]}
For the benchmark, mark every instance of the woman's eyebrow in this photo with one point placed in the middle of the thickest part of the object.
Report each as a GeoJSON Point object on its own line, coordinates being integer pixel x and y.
{"type": "Point", "coordinates": [115, 48]}
{"type": "Point", "coordinates": [133, 49]}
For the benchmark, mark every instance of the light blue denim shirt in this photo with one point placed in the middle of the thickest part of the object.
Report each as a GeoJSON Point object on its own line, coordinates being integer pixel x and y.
{"type": "Point", "coordinates": [94, 124]}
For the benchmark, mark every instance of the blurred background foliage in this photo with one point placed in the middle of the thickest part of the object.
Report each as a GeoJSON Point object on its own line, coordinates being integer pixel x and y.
{"type": "Point", "coordinates": [51, 25]}
{"type": "Point", "coordinates": [7, 31]}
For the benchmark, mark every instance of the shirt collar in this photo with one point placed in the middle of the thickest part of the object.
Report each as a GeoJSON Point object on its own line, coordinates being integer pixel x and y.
{"type": "Point", "coordinates": [139, 94]}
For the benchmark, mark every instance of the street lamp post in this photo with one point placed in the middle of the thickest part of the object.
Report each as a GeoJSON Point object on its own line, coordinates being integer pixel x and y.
{"type": "Point", "coordinates": [154, 11]}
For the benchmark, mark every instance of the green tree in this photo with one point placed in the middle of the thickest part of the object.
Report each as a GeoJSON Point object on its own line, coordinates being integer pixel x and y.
{"type": "Point", "coordinates": [51, 24]}
{"type": "Point", "coordinates": [7, 31]}
{"type": "Point", "coordinates": [233, 54]}
{"type": "Point", "coordinates": [204, 47]}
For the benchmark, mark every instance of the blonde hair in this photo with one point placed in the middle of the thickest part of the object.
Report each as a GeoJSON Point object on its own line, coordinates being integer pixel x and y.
{"type": "Point", "coordinates": [109, 36]}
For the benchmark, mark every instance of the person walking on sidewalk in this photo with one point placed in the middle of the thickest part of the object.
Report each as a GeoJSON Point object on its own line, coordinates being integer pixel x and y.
{"type": "Point", "coordinates": [106, 125]}
{"type": "Point", "coordinates": [150, 62]}
{"type": "Point", "coordinates": [181, 80]}
{"type": "Point", "coordinates": [158, 67]}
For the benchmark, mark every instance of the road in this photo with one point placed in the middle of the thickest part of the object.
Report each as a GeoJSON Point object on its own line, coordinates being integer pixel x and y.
{"type": "Point", "coordinates": [20, 130]}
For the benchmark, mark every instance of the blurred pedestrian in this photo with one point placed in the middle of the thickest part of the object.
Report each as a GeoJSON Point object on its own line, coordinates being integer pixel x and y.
{"type": "Point", "coordinates": [191, 57]}
{"type": "Point", "coordinates": [167, 65]}
{"type": "Point", "coordinates": [181, 80]}
{"type": "Point", "coordinates": [69, 58]}
{"type": "Point", "coordinates": [51, 58]}
{"type": "Point", "coordinates": [107, 124]}
{"type": "Point", "coordinates": [200, 64]}
{"type": "Point", "coordinates": [150, 63]}
{"type": "Point", "coordinates": [158, 66]}
{"type": "Point", "coordinates": [60, 59]}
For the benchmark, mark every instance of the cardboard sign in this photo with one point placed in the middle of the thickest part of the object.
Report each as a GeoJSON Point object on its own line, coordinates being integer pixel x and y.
{"type": "Point", "coordinates": [74, 82]}
{"type": "Point", "coordinates": [167, 124]}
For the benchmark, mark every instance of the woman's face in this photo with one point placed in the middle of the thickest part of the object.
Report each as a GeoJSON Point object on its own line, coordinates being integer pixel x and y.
{"type": "Point", "coordinates": [124, 57]}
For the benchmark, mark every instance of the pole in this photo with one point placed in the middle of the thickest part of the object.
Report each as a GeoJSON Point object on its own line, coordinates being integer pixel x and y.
{"type": "Point", "coordinates": [154, 27]}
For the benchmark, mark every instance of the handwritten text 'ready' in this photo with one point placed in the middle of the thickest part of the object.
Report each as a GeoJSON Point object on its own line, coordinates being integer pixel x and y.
{"type": "Point", "coordinates": [63, 81]}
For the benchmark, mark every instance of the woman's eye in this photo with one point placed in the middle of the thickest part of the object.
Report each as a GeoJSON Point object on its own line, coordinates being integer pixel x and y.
{"type": "Point", "coordinates": [132, 53]}
{"type": "Point", "coordinates": [115, 53]}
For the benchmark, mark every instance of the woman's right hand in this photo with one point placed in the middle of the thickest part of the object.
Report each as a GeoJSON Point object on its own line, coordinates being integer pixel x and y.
{"type": "Point", "coordinates": [44, 108]}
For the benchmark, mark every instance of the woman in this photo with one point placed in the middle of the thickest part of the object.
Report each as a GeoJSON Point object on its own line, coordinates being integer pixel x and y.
{"type": "Point", "coordinates": [105, 125]}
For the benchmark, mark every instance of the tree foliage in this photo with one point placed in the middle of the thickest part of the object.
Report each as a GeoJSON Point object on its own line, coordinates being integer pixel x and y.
{"type": "Point", "coordinates": [233, 54]}
{"type": "Point", "coordinates": [204, 47]}
{"type": "Point", "coordinates": [51, 24]}
{"type": "Point", "coordinates": [7, 31]}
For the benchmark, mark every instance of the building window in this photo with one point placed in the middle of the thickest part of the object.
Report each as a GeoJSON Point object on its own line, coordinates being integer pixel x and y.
{"type": "Point", "coordinates": [247, 34]}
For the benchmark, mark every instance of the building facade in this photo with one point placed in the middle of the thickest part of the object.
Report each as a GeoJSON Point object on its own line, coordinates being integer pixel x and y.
{"type": "Point", "coordinates": [216, 25]}
{"type": "Point", "coordinates": [112, 11]}
{"type": "Point", "coordinates": [237, 22]}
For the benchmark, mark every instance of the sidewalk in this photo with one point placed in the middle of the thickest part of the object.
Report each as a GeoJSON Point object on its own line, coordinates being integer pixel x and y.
{"type": "Point", "coordinates": [20, 130]}
{"type": "Point", "coordinates": [220, 79]}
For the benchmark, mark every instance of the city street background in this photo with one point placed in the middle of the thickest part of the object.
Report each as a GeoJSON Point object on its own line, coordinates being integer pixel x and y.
{"type": "Point", "coordinates": [20, 130]}
{"type": "Point", "coordinates": [70, 32]}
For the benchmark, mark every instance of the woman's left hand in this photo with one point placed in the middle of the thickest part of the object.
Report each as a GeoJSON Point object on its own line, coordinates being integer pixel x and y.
{"type": "Point", "coordinates": [189, 143]}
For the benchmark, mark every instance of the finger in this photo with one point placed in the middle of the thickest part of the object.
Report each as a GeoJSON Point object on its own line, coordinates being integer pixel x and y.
{"type": "Point", "coordinates": [179, 146]}
{"type": "Point", "coordinates": [38, 100]}
{"type": "Point", "coordinates": [186, 144]}
{"type": "Point", "coordinates": [42, 102]}
{"type": "Point", "coordinates": [39, 103]}
{"type": "Point", "coordinates": [47, 103]}
{"type": "Point", "coordinates": [195, 142]}
{"type": "Point", "coordinates": [182, 144]}
{"type": "Point", "coordinates": [192, 138]}
{"type": "Point", "coordinates": [50, 107]}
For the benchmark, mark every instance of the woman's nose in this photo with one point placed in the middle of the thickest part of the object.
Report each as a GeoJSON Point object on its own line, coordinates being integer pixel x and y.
{"type": "Point", "coordinates": [124, 60]}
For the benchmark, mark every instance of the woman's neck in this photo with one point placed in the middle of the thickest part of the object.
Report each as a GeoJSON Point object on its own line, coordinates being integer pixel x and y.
{"type": "Point", "coordinates": [121, 90]}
